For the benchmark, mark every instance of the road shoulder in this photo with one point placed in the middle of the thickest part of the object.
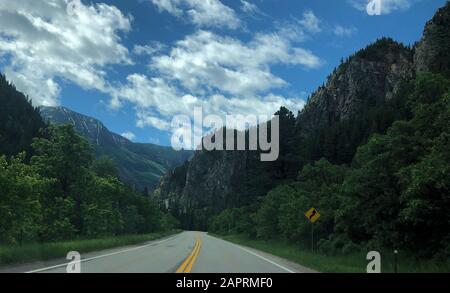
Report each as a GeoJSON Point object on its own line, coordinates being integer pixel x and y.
{"type": "Point", "coordinates": [270, 257]}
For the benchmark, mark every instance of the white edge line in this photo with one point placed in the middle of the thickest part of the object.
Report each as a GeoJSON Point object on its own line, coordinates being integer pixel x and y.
{"type": "Point", "coordinates": [266, 259]}
{"type": "Point", "coordinates": [257, 255]}
{"type": "Point", "coordinates": [100, 256]}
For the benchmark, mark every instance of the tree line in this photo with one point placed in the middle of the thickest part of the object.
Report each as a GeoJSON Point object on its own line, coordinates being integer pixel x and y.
{"type": "Point", "coordinates": [393, 192]}
{"type": "Point", "coordinates": [65, 193]}
{"type": "Point", "coordinates": [52, 187]}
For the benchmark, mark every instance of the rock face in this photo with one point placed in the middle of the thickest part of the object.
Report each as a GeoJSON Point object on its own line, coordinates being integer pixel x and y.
{"type": "Point", "coordinates": [212, 181]}
{"type": "Point", "coordinates": [432, 52]}
{"type": "Point", "coordinates": [140, 165]}
{"type": "Point", "coordinates": [87, 126]}
{"type": "Point", "coordinates": [372, 75]}
{"type": "Point", "coordinates": [203, 186]}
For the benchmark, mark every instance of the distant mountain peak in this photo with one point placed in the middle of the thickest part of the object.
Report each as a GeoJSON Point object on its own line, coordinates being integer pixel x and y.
{"type": "Point", "coordinates": [140, 164]}
{"type": "Point", "coordinates": [89, 127]}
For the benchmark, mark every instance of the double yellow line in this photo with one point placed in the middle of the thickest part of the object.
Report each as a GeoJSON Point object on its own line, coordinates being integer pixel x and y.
{"type": "Point", "coordinates": [189, 262]}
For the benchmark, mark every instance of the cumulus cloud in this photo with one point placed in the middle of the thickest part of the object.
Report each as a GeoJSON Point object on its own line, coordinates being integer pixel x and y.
{"type": "Point", "coordinates": [341, 31]}
{"type": "Point", "coordinates": [310, 22]}
{"type": "Point", "coordinates": [129, 135]}
{"type": "Point", "coordinates": [203, 13]}
{"type": "Point", "coordinates": [222, 75]}
{"type": "Point", "coordinates": [146, 119]}
{"type": "Point", "coordinates": [157, 102]}
{"type": "Point", "coordinates": [205, 61]}
{"type": "Point", "coordinates": [248, 7]}
{"type": "Point", "coordinates": [387, 6]}
{"type": "Point", "coordinates": [149, 49]}
{"type": "Point", "coordinates": [43, 44]}
{"type": "Point", "coordinates": [46, 42]}
{"type": "Point", "coordinates": [251, 9]}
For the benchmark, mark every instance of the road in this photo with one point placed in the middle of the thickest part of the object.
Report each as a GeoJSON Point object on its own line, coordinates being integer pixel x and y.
{"type": "Point", "coordinates": [187, 252]}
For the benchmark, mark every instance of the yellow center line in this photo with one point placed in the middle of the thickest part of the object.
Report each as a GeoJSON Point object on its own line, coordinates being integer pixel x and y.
{"type": "Point", "coordinates": [189, 262]}
{"type": "Point", "coordinates": [194, 259]}
{"type": "Point", "coordinates": [188, 259]}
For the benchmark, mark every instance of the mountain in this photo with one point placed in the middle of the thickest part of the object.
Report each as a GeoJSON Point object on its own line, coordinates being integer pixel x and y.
{"type": "Point", "coordinates": [358, 99]}
{"type": "Point", "coordinates": [363, 96]}
{"type": "Point", "coordinates": [20, 122]}
{"type": "Point", "coordinates": [141, 165]}
{"type": "Point", "coordinates": [431, 53]}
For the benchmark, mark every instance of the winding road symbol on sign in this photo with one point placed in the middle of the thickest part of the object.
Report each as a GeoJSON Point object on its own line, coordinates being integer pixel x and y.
{"type": "Point", "coordinates": [312, 215]}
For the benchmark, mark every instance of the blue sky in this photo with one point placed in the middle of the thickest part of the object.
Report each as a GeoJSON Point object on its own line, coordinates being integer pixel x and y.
{"type": "Point", "coordinates": [135, 64]}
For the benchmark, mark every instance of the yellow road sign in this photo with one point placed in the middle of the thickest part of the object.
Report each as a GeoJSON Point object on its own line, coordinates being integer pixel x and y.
{"type": "Point", "coordinates": [312, 215]}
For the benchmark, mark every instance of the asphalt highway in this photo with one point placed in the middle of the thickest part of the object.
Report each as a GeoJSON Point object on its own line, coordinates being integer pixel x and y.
{"type": "Point", "coordinates": [187, 252]}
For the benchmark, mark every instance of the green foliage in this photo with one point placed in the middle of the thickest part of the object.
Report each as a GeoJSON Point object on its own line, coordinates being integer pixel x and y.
{"type": "Point", "coordinates": [51, 250]}
{"type": "Point", "coordinates": [20, 209]}
{"type": "Point", "coordinates": [105, 167]}
{"type": "Point", "coordinates": [139, 165]}
{"type": "Point", "coordinates": [65, 156]}
{"type": "Point", "coordinates": [64, 193]}
{"type": "Point", "coordinates": [267, 217]}
{"type": "Point", "coordinates": [282, 211]}
{"type": "Point", "coordinates": [400, 180]}
{"type": "Point", "coordinates": [349, 263]}
{"type": "Point", "coordinates": [236, 220]}
{"type": "Point", "coordinates": [339, 141]}
{"type": "Point", "coordinates": [394, 195]}
{"type": "Point", "coordinates": [20, 122]}
{"type": "Point", "coordinates": [377, 50]}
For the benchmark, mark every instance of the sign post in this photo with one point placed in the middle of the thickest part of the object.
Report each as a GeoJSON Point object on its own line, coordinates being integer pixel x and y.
{"type": "Point", "coordinates": [312, 215]}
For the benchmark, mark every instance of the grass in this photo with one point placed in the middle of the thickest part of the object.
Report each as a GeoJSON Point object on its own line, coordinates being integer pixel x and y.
{"type": "Point", "coordinates": [12, 254]}
{"type": "Point", "coordinates": [354, 263]}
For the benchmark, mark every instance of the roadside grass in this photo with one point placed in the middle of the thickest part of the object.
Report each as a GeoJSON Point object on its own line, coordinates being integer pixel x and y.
{"type": "Point", "coordinates": [14, 254]}
{"type": "Point", "coordinates": [353, 263]}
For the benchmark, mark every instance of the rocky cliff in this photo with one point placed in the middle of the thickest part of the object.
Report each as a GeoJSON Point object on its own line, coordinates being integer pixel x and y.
{"type": "Point", "coordinates": [372, 75]}
{"type": "Point", "coordinates": [432, 52]}
{"type": "Point", "coordinates": [370, 79]}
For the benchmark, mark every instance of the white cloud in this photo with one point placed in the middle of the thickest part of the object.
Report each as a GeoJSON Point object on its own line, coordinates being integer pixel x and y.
{"type": "Point", "coordinates": [129, 135]}
{"type": "Point", "coordinates": [223, 75]}
{"type": "Point", "coordinates": [203, 13]}
{"type": "Point", "coordinates": [157, 102]}
{"type": "Point", "coordinates": [46, 44]}
{"type": "Point", "coordinates": [251, 9]}
{"type": "Point", "coordinates": [148, 92]}
{"type": "Point", "coordinates": [170, 6]}
{"type": "Point", "coordinates": [341, 31]}
{"type": "Point", "coordinates": [146, 119]}
{"type": "Point", "coordinates": [310, 22]}
{"type": "Point", "coordinates": [149, 49]}
{"type": "Point", "coordinates": [204, 62]}
{"type": "Point", "coordinates": [248, 7]}
{"type": "Point", "coordinates": [387, 6]}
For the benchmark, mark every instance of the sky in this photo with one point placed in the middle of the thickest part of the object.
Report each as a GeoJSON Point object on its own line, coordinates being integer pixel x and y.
{"type": "Point", "coordinates": [136, 64]}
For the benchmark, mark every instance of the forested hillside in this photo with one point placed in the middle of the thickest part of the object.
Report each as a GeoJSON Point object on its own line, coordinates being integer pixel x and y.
{"type": "Point", "coordinates": [53, 188]}
{"type": "Point", "coordinates": [19, 121]}
{"type": "Point", "coordinates": [364, 95]}
{"type": "Point", "coordinates": [395, 193]}
{"type": "Point", "coordinates": [369, 151]}
{"type": "Point", "coordinates": [140, 165]}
